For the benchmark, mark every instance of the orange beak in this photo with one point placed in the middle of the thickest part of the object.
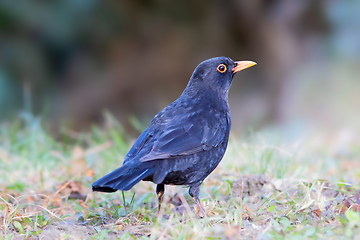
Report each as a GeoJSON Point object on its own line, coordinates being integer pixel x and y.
{"type": "Point", "coordinates": [241, 65]}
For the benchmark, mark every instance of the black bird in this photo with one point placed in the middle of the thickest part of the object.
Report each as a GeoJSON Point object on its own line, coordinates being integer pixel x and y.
{"type": "Point", "coordinates": [186, 140]}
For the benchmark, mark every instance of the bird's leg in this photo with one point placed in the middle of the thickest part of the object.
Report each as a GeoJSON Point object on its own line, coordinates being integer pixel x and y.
{"type": "Point", "coordinates": [200, 207]}
{"type": "Point", "coordinates": [160, 190]}
{"type": "Point", "coordinates": [194, 193]}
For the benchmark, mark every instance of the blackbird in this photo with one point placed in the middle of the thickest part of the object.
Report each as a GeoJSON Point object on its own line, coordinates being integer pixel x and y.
{"type": "Point", "coordinates": [185, 141]}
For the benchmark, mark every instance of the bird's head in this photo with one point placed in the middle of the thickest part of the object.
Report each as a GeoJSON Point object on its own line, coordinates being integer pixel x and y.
{"type": "Point", "coordinates": [217, 74]}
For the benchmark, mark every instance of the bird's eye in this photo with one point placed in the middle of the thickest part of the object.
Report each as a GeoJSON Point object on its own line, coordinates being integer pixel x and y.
{"type": "Point", "coordinates": [221, 68]}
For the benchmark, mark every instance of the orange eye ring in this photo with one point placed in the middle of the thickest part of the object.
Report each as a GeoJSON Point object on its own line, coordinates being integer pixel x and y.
{"type": "Point", "coordinates": [221, 68]}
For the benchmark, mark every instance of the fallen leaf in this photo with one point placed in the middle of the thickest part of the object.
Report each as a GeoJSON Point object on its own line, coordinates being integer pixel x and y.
{"type": "Point", "coordinates": [89, 172]}
{"type": "Point", "coordinates": [347, 203]}
{"type": "Point", "coordinates": [317, 212]}
{"type": "Point", "coordinates": [355, 207]}
{"type": "Point", "coordinates": [343, 209]}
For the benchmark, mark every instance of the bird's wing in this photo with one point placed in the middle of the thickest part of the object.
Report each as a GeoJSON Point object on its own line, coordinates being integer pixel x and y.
{"type": "Point", "coordinates": [187, 135]}
{"type": "Point", "coordinates": [138, 145]}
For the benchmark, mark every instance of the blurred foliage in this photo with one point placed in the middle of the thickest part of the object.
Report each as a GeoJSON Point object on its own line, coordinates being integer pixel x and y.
{"type": "Point", "coordinates": [71, 59]}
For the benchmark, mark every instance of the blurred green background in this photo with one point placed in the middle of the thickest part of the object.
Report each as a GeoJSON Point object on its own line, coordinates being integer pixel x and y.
{"type": "Point", "coordinates": [69, 60]}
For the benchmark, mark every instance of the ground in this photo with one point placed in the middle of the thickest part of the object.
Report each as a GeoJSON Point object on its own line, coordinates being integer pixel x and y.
{"type": "Point", "coordinates": [272, 184]}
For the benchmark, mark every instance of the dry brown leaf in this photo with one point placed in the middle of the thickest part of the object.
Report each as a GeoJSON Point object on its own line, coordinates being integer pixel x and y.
{"type": "Point", "coordinates": [30, 198]}
{"type": "Point", "coordinates": [72, 190]}
{"type": "Point", "coordinates": [56, 201]}
{"type": "Point", "coordinates": [317, 212]}
{"type": "Point", "coordinates": [89, 172]}
{"type": "Point", "coordinates": [343, 209]}
{"type": "Point", "coordinates": [355, 207]}
{"type": "Point", "coordinates": [347, 203]}
{"type": "Point", "coordinates": [246, 216]}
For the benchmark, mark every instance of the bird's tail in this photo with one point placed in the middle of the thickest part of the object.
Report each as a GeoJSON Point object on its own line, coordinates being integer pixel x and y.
{"type": "Point", "coordinates": [123, 178]}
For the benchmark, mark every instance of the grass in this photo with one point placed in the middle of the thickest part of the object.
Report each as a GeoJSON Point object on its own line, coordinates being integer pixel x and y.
{"type": "Point", "coordinates": [270, 185]}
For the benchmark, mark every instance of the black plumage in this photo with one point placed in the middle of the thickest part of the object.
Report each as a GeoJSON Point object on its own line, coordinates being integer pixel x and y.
{"type": "Point", "coordinates": [186, 140]}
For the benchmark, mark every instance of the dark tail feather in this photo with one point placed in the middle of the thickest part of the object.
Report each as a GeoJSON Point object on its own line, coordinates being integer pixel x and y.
{"type": "Point", "coordinates": [123, 178]}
